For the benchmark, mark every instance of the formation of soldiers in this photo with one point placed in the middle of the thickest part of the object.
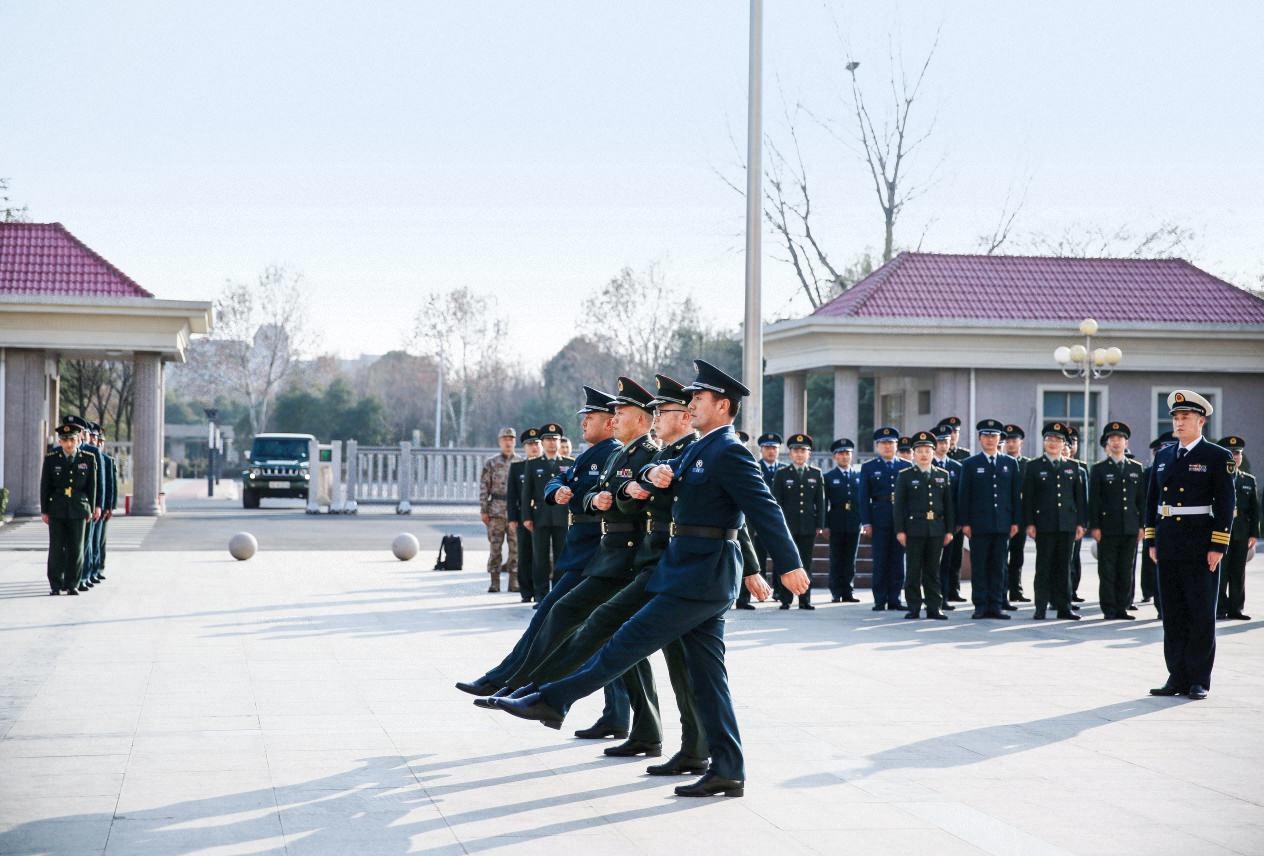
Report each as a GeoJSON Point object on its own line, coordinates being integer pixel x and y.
{"type": "Point", "coordinates": [78, 496]}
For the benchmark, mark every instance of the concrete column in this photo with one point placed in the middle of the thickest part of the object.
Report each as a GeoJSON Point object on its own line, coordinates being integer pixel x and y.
{"type": "Point", "coordinates": [794, 412]}
{"type": "Point", "coordinates": [846, 403]}
{"type": "Point", "coordinates": [405, 476]}
{"type": "Point", "coordinates": [147, 435]}
{"type": "Point", "coordinates": [26, 426]}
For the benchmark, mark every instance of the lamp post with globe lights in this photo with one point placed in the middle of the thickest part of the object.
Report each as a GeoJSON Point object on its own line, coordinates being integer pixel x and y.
{"type": "Point", "coordinates": [1089, 363]}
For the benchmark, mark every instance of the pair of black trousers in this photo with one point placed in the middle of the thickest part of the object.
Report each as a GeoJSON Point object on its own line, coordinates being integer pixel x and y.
{"type": "Point", "coordinates": [1116, 559]}
{"type": "Point", "coordinates": [842, 576]}
{"type": "Point", "coordinates": [1189, 593]}
{"type": "Point", "coordinates": [1053, 570]}
{"type": "Point", "coordinates": [1014, 570]}
{"type": "Point", "coordinates": [1233, 578]}
{"type": "Point", "coordinates": [988, 552]}
{"type": "Point", "coordinates": [1076, 570]}
{"type": "Point", "coordinates": [804, 543]}
{"type": "Point", "coordinates": [950, 568]}
{"type": "Point", "coordinates": [65, 551]}
{"type": "Point", "coordinates": [526, 563]}
{"type": "Point", "coordinates": [546, 546]}
{"type": "Point", "coordinates": [922, 555]}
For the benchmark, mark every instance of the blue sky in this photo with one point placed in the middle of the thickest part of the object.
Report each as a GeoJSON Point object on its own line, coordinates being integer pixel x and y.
{"type": "Point", "coordinates": [532, 150]}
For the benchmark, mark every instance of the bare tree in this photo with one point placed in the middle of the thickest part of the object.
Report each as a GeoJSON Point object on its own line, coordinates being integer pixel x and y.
{"type": "Point", "coordinates": [10, 213]}
{"type": "Point", "coordinates": [260, 335]}
{"type": "Point", "coordinates": [1165, 240]}
{"type": "Point", "coordinates": [635, 317]}
{"type": "Point", "coordinates": [100, 391]}
{"type": "Point", "coordinates": [1011, 207]}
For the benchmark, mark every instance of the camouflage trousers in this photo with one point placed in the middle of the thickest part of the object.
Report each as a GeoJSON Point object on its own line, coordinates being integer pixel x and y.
{"type": "Point", "coordinates": [497, 535]}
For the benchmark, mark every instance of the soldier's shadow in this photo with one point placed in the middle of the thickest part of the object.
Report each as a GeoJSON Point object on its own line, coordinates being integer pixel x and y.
{"type": "Point", "coordinates": [979, 745]}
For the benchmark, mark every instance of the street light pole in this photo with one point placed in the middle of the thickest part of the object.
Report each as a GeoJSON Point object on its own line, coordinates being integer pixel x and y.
{"type": "Point", "coordinates": [1083, 361]}
{"type": "Point", "coordinates": [211, 413]}
{"type": "Point", "coordinates": [753, 333]}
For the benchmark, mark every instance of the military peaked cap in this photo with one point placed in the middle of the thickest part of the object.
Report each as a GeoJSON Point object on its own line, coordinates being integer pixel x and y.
{"type": "Point", "coordinates": [1187, 399]}
{"type": "Point", "coordinates": [1055, 429]}
{"type": "Point", "coordinates": [989, 426]}
{"type": "Point", "coordinates": [1014, 431]}
{"type": "Point", "coordinates": [1113, 428]}
{"type": "Point", "coordinates": [596, 401]}
{"type": "Point", "coordinates": [922, 438]}
{"type": "Point", "coordinates": [632, 394]}
{"type": "Point", "coordinates": [669, 391]}
{"type": "Point", "coordinates": [904, 444]}
{"type": "Point", "coordinates": [799, 441]}
{"type": "Point", "coordinates": [551, 429]}
{"type": "Point", "coordinates": [887, 433]}
{"type": "Point", "coordinates": [530, 435]}
{"type": "Point", "coordinates": [714, 380]}
{"type": "Point", "coordinates": [842, 445]}
{"type": "Point", "coordinates": [771, 439]}
{"type": "Point", "coordinates": [1232, 443]}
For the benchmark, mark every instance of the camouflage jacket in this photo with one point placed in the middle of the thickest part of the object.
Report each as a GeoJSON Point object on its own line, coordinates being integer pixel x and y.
{"type": "Point", "coordinates": [493, 485]}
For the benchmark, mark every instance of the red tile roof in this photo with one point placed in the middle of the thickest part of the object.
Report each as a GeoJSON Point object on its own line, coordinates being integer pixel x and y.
{"type": "Point", "coordinates": [1039, 288]}
{"type": "Point", "coordinates": [44, 258]}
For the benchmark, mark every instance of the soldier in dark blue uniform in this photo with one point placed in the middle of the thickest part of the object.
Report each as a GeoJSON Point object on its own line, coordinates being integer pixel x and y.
{"type": "Point", "coordinates": [91, 538]}
{"type": "Point", "coordinates": [1055, 511]}
{"type": "Point", "coordinates": [1077, 569]}
{"type": "Point", "coordinates": [950, 562]}
{"type": "Point", "coordinates": [1149, 574]}
{"type": "Point", "coordinates": [1013, 437]}
{"type": "Point", "coordinates": [800, 491]}
{"type": "Point", "coordinates": [904, 449]}
{"type": "Point", "coordinates": [68, 490]}
{"type": "Point", "coordinates": [547, 522]}
{"type": "Point", "coordinates": [107, 510]}
{"type": "Point", "coordinates": [956, 452]}
{"type": "Point", "coordinates": [877, 493]}
{"type": "Point", "coordinates": [769, 450]}
{"type": "Point", "coordinates": [565, 490]}
{"type": "Point", "coordinates": [1116, 509]}
{"type": "Point", "coordinates": [989, 511]}
{"type": "Point", "coordinates": [924, 525]}
{"type": "Point", "coordinates": [1189, 514]}
{"type": "Point", "coordinates": [1242, 538]}
{"type": "Point", "coordinates": [716, 484]}
{"type": "Point", "coordinates": [842, 516]}
{"type": "Point", "coordinates": [514, 504]}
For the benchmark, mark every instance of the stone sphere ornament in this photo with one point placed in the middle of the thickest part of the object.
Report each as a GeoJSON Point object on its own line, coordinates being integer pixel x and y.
{"type": "Point", "coordinates": [242, 546]}
{"type": "Point", "coordinates": [405, 546]}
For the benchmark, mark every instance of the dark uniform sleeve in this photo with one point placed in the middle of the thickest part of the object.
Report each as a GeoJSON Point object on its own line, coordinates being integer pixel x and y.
{"type": "Point", "coordinates": [900, 511]}
{"type": "Point", "coordinates": [1253, 521]}
{"type": "Point", "coordinates": [750, 560]}
{"type": "Point", "coordinates": [46, 475]}
{"type": "Point", "coordinates": [513, 498]}
{"type": "Point", "coordinates": [950, 507]}
{"type": "Point", "coordinates": [1151, 503]}
{"type": "Point", "coordinates": [1081, 497]}
{"type": "Point", "coordinates": [1095, 497]}
{"type": "Point", "coordinates": [1029, 494]}
{"type": "Point", "coordinates": [747, 490]}
{"type": "Point", "coordinates": [1224, 496]}
{"type": "Point", "coordinates": [1139, 496]}
{"type": "Point", "coordinates": [820, 500]}
{"type": "Point", "coordinates": [862, 498]}
{"type": "Point", "coordinates": [1016, 499]}
{"type": "Point", "coordinates": [965, 493]}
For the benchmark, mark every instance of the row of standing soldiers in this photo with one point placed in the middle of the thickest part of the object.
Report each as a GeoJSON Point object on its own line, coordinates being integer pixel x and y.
{"type": "Point", "coordinates": [78, 496]}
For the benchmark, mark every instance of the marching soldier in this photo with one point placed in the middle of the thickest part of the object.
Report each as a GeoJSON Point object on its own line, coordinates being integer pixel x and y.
{"type": "Point", "coordinates": [904, 449]}
{"type": "Point", "coordinates": [877, 520]}
{"type": "Point", "coordinates": [1189, 513]}
{"type": "Point", "coordinates": [546, 522]}
{"type": "Point", "coordinates": [769, 451]}
{"type": "Point", "coordinates": [989, 510]}
{"type": "Point", "coordinates": [957, 453]}
{"type": "Point", "coordinates": [842, 516]}
{"type": "Point", "coordinates": [1150, 574]}
{"type": "Point", "coordinates": [107, 510]}
{"type": "Point", "coordinates": [923, 512]}
{"type": "Point", "coordinates": [87, 444]}
{"type": "Point", "coordinates": [1055, 511]}
{"type": "Point", "coordinates": [950, 563]}
{"type": "Point", "coordinates": [514, 515]}
{"type": "Point", "coordinates": [68, 491]}
{"type": "Point", "coordinates": [800, 491]}
{"type": "Point", "coordinates": [1077, 570]}
{"type": "Point", "coordinates": [1242, 538]}
{"type": "Point", "coordinates": [1116, 503]}
{"type": "Point", "coordinates": [493, 500]}
{"type": "Point", "coordinates": [1014, 436]}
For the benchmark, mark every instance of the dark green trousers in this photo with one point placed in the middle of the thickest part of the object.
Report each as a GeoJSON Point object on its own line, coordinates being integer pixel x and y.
{"type": "Point", "coordinates": [597, 630]}
{"type": "Point", "coordinates": [1053, 570]}
{"type": "Point", "coordinates": [526, 564]}
{"type": "Point", "coordinates": [922, 556]}
{"type": "Point", "coordinates": [65, 551]}
{"type": "Point", "coordinates": [1116, 561]}
{"type": "Point", "coordinates": [1233, 578]}
{"type": "Point", "coordinates": [546, 546]}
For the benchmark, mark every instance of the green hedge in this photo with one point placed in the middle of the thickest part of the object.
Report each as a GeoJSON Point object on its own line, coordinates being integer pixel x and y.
{"type": "Point", "coordinates": [4, 500]}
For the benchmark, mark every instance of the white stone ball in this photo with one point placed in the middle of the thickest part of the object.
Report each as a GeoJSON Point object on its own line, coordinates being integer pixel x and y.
{"type": "Point", "coordinates": [242, 546]}
{"type": "Point", "coordinates": [405, 546]}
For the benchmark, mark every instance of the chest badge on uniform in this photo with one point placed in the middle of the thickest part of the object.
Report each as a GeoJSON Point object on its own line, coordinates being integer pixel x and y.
{"type": "Point", "coordinates": [1198, 468]}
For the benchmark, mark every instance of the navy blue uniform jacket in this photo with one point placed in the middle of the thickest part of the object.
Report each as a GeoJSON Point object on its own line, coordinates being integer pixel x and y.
{"type": "Point", "coordinates": [877, 492]}
{"type": "Point", "coordinates": [584, 535]}
{"type": "Point", "coordinates": [989, 498]}
{"type": "Point", "coordinates": [1203, 477]}
{"type": "Point", "coordinates": [719, 484]}
{"type": "Point", "coordinates": [842, 495]}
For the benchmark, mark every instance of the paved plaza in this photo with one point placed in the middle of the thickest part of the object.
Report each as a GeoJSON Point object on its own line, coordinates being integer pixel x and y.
{"type": "Point", "coordinates": [302, 702]}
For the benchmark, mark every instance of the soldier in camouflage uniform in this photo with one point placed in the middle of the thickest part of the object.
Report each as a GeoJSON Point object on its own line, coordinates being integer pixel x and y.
{"type": "Point", "coordinates": [493, 493]}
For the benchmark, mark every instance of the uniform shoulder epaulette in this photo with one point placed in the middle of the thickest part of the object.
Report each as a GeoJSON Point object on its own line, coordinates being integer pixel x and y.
{"type": "Point", "coordinates": [50, 454]}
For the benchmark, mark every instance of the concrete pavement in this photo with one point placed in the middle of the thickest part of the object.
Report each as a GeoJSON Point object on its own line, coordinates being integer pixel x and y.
{"type": "Point", "coordinates": [302, 702]}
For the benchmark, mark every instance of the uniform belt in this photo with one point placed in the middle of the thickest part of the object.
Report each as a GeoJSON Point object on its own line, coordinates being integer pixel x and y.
{"type": "Point", "coordinates": [930, 515]}
{"type": "Point", "coordinates": [660, 526]}
{"type": "Point", "coordinates": [496, 496]}
{"type": "Point", "coordinates": [678, 530]}
{"type": "Point", "coordinates": [607, 528]}
{"type": "Point", "coordinates": [883, 497]}
{"type": "Point", "coordinates": [583, 518]}
{"type": "Point", "coordinates": [1182, 510]}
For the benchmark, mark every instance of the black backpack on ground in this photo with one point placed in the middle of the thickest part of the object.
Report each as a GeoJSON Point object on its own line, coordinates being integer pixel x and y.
{"type": "Point", "coordinates": [451, 554]}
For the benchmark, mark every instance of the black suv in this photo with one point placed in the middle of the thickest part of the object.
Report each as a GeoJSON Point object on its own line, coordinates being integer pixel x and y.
{"type": "Point", "coordinates": [279, 467]}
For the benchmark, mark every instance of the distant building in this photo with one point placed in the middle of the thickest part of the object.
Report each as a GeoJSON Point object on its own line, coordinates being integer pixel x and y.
{"type": "Point", "coordinates": [974, 336]}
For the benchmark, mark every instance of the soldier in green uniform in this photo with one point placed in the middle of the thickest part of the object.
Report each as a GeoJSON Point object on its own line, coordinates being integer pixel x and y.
{"type": "Point", "coordinates": [800, 491]}
{"type": "Point", "coordinates": [107, 510]}
{"type": "Point", "coordinates": [1116, 508]}
{"type": "Point", "coordinates": [924, 520]}
{"type": "Point", "coordinates": [1054, 511]}
{"type": "Point", "coordinates": [513, 512]}
{"type": "Point", "coordinates": [1077, 571]}
{"type": "Point", "coordinates": [957, 453]}
{"type": "Point", "coordinates": [904, 449]}
{"type": "Point", "coordinates": [68, 487]}
{"type": "Point", "coordinates": [1242, 537]}
{"type": "Point", "coordinates": [1014, 436]}
{"type": "Point", "coordinates": [547, 522]}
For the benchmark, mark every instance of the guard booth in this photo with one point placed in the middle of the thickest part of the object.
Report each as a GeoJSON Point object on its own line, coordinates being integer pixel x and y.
{"type": "Point", "coordinates": [326, 493]}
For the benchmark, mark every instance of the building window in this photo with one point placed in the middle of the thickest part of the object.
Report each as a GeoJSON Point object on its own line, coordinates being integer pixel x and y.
{"type": "Point", "coordinates": [1161, 419]}
{"type": "Point", "coordinates": [923, 402]}
{"type": "Point", "coordinates": [1066, 404]}
{"type": "Point", "coordinates": [892, 409]}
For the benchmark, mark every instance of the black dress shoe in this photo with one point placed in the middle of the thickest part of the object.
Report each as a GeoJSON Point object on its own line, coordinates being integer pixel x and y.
{"type": "Point", "coordinates": [1075, 607]}
{"type": "Point", "coordinates": [1197, 692]}
{"type": "Point", "coordinates": [75, 592]}
{"type": "Point", "coordinates": [531, 707]}
{"type": "Point", "coordinates": [84, 587]}
{"type": "Point", "coordinates": [745, 606]}
{"type": "Point", "coordinates": [1068, 615]}
{"type": "Point", "coordinates": [1018, 598]}
{"type": "Point", "coordinates": [948, 607]}
{"type": "Point", "coordinates": [979, 613]}
{"type": "Point", "coordinates": [938, 616]}
{"type": "Point", "coordinates": [1009, 607]}
{"type": "Point", "coordinates": [1222, 616]}
{"type": "Point", "coordinates": [478, 688]}
{"type": "Point", "coordinates": [1075, 598]}
{"type": "Point", "coordinates": [784, 606]}
{"type": "Point", "coordinates": [54, 592]}
{"type": "Point", "coordinates": [1168, 689]}
{"type": "Point", "coordinates": [879, 607]}
{"type": "Point", "coordinates": [490, 701]}
{"type": "Point", "coordinates": [896, 606]}
{"type": "Point", "coordinates": [1108, 616]}
{"type": "Point", "coordinates": [526, 600]}
{"type": "Point", "coordinates": [912, 614]}
{"type": "Point", "coordinates": [1038, 615]}
{"type": "Point", "coordinates": [850, 599]}
{"type": "Point", "coordinates": [600, 731]}
{"type": "Point", "coordinates": [1123, 616]}
{"type": "Point", "coordinates": [712, 785]}
{"type": "Point", "coordinates": [836, 600]}
{"type": "Point", "coordinates": [806, 606]}
{"type": "Point", "coordinates": [1145, 600]}
{"type": "Point", "coordinates": [678, 765]}
{"type": "Point", "coordinates": [956, 598]}
{"type": "Point", "coordinates": [524, 690]}
{"type": "Point", "coordinates": [632, 748]}
{"type": "Point", "coordinates": [1132, 607]}
{"type": "Point", "coordinates": [999, 615]}
{"type": "Point", "coordinates": [1238, 616]}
